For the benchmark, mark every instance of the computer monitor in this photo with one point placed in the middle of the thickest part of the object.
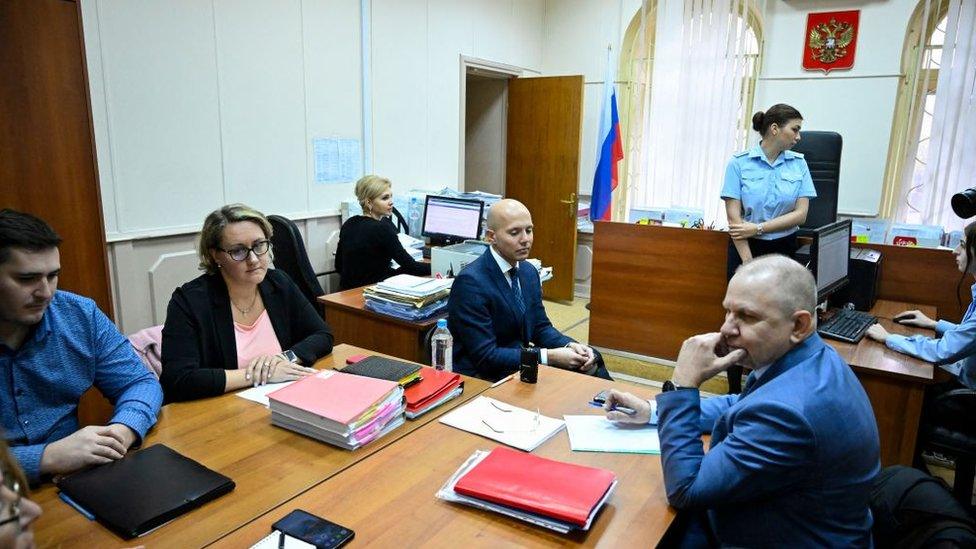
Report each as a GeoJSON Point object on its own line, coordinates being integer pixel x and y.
{"type": "Point", "coordinates": [448, 220]}
{"type": "Point", "coordinates": [830, 253]}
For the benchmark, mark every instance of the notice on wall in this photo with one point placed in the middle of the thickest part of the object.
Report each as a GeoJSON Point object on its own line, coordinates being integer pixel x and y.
{"type": "Point", "coordinates": [337, 160]}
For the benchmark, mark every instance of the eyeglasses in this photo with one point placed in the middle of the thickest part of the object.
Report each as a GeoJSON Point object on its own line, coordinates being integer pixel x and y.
{"type": "Point", "coordinates": [11, 510]}
{"type": "Point", "coordinates": [240, 253]}
{"type": "Point", "coordinates": [535, 422]}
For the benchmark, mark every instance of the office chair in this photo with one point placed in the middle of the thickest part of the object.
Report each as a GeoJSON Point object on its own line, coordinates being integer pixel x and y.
{"type": "Point", "coordinates": [292, 259]}
{"type": "Point", "coordinates": [949, 430]}
{"type": "Point", "coordinates": [401, 222]}
{"type": "Point", "coordinates": [822, 151]}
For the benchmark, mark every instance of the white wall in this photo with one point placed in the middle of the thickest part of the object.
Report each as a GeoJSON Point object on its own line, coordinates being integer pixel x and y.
{"type": "Point", "coordinates": [859, 103]}
{"type": "Point", "coordinates": [576, 36]}
{"type": "Point", "coordinates": [416, 77]}
{"type": "Point", "coordinates": [201, 103]}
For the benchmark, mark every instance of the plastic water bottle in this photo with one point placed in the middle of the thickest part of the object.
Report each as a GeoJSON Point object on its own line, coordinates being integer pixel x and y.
{"type": "Point", "coordinates": [441, 344]}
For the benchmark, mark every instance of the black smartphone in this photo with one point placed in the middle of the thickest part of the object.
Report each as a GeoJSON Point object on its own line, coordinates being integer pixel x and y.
{"type": "Point", "coordinates": [309, 528]}
{"type": "Point", "coordinates": [529, 365]}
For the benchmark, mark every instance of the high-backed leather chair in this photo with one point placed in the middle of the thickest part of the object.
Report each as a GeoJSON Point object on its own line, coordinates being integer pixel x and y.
{"type": "Point", "coordinates": [291, 258]}
{"type": "Point", "coordinates": [822, 153]}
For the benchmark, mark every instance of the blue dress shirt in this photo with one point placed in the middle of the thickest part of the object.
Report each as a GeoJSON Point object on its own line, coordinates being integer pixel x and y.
{"type": "Point", "coordinates": [73, 347]}
{"type": "Point", "coordinates": [766, 190]}
{"type": "Point", "coordinates": [954, 349]}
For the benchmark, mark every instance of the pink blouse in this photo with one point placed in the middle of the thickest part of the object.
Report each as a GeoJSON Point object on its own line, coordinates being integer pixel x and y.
{"type": "Point", "coordinates": [255, 340]}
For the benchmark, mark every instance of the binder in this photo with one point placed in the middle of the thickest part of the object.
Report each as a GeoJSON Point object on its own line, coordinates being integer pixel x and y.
{"type": "Point", "coordinates": [144, 490]}
{"type": "Point", "coordinates": [433, 386]}
{"type": "Point", "coordinates": [331, 399]}
{"type": "Point", "coordinates": [555, 489]}
{"type": "Point", "coordinates": [384, 368]}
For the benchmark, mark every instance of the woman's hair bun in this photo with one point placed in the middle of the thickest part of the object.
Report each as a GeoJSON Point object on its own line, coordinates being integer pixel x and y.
{"type": "Point", "coordinates": [757, 121]}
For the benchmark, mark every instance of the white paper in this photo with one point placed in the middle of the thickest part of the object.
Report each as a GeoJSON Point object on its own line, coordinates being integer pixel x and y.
{"type": "Point", "coordinates": [271, 542]}
{"type": "Point", "coordinates": [597, 434]}
{"type": "Point", "coordinates": [486, 417]}
{"type": "Point", "coordinates": [260, 393]}
{"type": "Point", "coordinates": [337, 160]}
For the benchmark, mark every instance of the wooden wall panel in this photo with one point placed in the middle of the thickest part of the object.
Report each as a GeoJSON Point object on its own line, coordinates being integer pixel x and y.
{"type": "Point", "coordinates": [923, 275]}
{"type": "Point", "coordinates": [47, 154]}
{"type": "Point", "coordinates": [653, 287]}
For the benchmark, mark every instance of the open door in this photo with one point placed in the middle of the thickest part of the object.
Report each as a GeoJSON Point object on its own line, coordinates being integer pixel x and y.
{"type": "Point", "coordinates": [545, 122]}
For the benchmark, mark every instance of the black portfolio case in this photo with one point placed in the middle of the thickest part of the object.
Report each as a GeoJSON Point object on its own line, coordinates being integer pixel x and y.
{"type": "Point", "coordinates": [144, 490]}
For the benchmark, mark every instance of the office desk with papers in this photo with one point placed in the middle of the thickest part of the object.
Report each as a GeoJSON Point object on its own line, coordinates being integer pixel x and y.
{"type": "Point", "coordinates": [234, 437]}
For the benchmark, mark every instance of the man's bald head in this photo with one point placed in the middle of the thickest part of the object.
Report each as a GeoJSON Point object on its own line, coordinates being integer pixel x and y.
{"type": "Point", "coordinates": [786, 282]}
{"type": "Point", "coordinates": [510, 230]}
{"type": "Point", "coordinates": [504, 210]}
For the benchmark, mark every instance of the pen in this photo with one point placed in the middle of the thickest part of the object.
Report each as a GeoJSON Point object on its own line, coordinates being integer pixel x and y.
{"type": "Point", "coordinates": [621, 409]}
{"type": "Point", "coordinates": [281, 540]}
{"type": "Point", "coordinates": [502, 380]}
{"type": "Point", "coordinates": [84, 512]}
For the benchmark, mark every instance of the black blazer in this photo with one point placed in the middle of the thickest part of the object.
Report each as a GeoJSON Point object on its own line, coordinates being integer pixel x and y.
{"type": "Point", "coordinates": [198, 337]}
{"type": "Point", "coordinates": [365, 249]}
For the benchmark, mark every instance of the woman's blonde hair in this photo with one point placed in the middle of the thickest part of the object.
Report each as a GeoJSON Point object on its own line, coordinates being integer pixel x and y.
{"type": "Point", "coordinates": [369, 188]}
{"type": "Point", "coordinates": [213, 229]}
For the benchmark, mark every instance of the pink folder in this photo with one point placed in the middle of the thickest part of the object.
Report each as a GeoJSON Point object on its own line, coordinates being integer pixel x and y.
{"type": "Point", "coordinates": [334, 395]}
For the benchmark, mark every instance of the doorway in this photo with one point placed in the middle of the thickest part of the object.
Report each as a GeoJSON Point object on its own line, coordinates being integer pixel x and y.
{"type": "Point", "coordinates": [484, 100]}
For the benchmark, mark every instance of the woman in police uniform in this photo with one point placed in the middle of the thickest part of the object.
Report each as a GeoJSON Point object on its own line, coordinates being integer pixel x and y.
{"type": "Point", "coordinates": [767, 192]}
{"type": "Point", "coordinates": [767, 189]}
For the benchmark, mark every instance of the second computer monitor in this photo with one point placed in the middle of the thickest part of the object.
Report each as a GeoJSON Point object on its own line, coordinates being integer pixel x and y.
{"type": "Point", "coordinates": [830, 254]}
{"type": "Point", "coordinates": [448, 219]}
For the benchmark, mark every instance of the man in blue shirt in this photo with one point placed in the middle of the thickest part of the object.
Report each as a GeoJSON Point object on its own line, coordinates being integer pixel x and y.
{"type": "Point", "coordinates": [792, 457]}
{"type": "Point", "coordinates": [54, 345]}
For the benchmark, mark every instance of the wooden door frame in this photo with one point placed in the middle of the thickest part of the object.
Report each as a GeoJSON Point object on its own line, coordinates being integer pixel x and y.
{"type": "Point", "coordinates": [482, 67]}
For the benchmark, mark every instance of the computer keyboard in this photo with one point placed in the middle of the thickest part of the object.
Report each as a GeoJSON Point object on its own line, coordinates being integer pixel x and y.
{"type": "Point", "coordinates": [846, 325]}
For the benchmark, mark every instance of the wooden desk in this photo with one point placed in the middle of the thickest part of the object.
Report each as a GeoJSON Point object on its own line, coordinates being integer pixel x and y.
{"type": "Point", "coordinates": [388, 499]}
{"type": "Point", "coordinates": [352, 323]}
{"type": "Point", "coordinates": [895, 383]}
{"type": "Point", "coordinates": [235, 437]}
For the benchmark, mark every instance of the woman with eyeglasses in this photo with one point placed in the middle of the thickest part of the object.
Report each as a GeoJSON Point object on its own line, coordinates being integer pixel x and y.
{"type": "Point", "coordinates": [16, 512]}
{"type": "Point", "coordinates": [239, 324]}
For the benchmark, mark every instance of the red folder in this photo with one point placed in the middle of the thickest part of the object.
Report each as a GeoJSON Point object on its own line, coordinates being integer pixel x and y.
{"type": "Point", "coordinates": [334, 395]}
{"type": "Point", "coordinates": [555, 489]}
{"type": "Point", "coordinates": [432, 387]}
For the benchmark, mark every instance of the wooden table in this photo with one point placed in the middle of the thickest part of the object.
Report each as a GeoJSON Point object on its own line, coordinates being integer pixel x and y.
{"type": "Point", "coordinates": [388, 499]}
{"type": "Point", "coordinates": [235, 437]}
{"type": "Point", "coordinates": [895, 383]}
{"type": "Point", "coordinates": [352, 323]}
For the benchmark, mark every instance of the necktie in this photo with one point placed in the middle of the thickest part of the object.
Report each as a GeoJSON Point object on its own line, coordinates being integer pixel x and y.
{"type": "Point", "coordinates": [517, 290]}
{"type": "Point", "coordinates": [750, 382]}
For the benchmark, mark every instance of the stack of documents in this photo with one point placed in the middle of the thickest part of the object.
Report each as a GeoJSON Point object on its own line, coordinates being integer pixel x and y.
{"type": "Point", "coordinates": [409, 297]}
{"type": "Point", "coordinates": [552, 494]}
{"type": "Point", "coordinates": [434, 388]}
{"type": "Point", "coordinates": [341, 409]}
{"type": "Point", "coordinates": [511, 425]}
{"type": "Point", "coordinates": [598, 434]}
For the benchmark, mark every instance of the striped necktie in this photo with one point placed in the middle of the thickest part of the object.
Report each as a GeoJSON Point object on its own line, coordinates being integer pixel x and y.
{"type": "Point", "coordinates": [517, 290]}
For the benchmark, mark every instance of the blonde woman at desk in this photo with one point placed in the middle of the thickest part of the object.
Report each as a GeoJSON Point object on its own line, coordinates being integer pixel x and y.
{"type": "Point", "coordinates": [955, 344]}
{"type": "Point", "coordinates": [367, 242]}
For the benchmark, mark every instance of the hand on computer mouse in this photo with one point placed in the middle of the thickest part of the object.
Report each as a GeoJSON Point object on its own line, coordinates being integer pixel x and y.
{"type": "Point", "coordinates": [914, 318]}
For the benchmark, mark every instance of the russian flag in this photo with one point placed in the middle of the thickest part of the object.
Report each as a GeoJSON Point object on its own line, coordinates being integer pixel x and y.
{"type": "Point", "coordinates": [611, 151]}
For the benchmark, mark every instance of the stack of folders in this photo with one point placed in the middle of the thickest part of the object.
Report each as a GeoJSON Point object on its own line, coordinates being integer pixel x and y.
{"type": "Point", "coordinates": [434, 388]}
{"type": "Point", "coordinates": [408, 297]}
{"type": "Point", "coordinates": [390, 369]}
{"type": "Point", "coordinates": [424, 387]}
{"type": "Point", "coordinates": [552, 494]}
{"type": "Point", "coordinates": [341, 409]}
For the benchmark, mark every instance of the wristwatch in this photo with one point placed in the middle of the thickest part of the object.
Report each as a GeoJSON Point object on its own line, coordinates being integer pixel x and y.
{"type": "Point", "coordinates": [289, 355]}
{"type": "Point", "coordinates": [670, 386]}
{"type": "Point", "coordinates": [760, 230]}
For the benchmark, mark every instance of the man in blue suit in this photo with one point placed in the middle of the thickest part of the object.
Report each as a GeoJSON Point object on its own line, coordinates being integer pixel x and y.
{"type": "Point", "coordinates": [495, 307]}
{"type": "Point", "coordinates": [793, 456]}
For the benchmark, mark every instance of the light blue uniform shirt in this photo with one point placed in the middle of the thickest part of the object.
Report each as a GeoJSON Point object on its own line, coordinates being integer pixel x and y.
{"type": "Point", "coordinates": [954, 349]}
{"type": "Point", "coordinates": [74, 347]}
{"type": "Point", "coordinates": [766, 190]}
